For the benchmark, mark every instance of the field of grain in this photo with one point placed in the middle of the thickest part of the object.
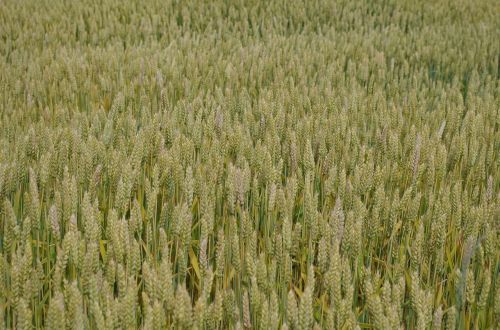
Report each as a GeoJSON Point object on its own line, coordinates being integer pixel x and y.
{"type": "Point", "coordinates": [236, 164]}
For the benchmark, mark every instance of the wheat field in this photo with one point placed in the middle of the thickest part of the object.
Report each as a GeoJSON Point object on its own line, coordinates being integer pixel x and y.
{"type": "Point", "coordinates": [236, 164]}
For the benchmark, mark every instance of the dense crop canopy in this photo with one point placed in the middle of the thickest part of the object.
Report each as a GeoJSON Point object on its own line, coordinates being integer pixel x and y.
{"type": "Point", "coordinates": [237, 164]}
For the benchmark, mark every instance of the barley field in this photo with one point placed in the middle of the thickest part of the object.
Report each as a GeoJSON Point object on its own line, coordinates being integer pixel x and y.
{"type": "Point", "coordinates": [236, 164]}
